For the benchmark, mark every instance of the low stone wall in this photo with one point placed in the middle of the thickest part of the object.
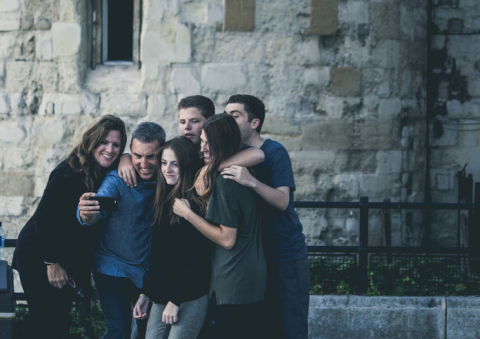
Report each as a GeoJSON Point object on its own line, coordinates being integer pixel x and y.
{"type": "Point", "coordinates": [335, 317]}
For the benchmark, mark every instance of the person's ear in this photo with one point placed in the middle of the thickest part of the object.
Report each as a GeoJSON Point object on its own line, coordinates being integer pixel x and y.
{"type": "Point", "coordinates": [255, 123]}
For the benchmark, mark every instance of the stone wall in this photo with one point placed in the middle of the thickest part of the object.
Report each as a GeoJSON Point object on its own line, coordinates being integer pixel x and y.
{"type": "Point", "coordinates": [333, 317]}
{"type": "Point", "coordinates": [343, 82]}
{"type": "Point", "coordinates": [455, 117]}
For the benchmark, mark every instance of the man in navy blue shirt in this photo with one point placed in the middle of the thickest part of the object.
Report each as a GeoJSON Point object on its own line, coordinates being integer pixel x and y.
{"type": "Point", "coordinates": [288, 278]}
{"type": "Point", "coordinates": [121, 261]}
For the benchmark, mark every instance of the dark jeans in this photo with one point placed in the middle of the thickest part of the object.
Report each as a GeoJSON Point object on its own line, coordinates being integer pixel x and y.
{"type": "Point", "coordinates": [49, 306]}
{"type": "Point", "coordinates": [234, 321]}
{"type": "Point", "coordinates": [287, 299]}
{"type": "Point", "coordinates": [117, 296]}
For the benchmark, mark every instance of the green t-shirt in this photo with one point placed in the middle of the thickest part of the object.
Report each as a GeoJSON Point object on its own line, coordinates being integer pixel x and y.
{"type": "Point", "coordinates": [238, 275]}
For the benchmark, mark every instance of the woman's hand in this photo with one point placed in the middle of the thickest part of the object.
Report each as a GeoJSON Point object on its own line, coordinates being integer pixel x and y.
{"type": "Point", "coordinates": [140, 311]}
{"type": "Point", "coordinates": [88, 208]}
{"type": "Point", "coordinates": [57, 276]}
{"type": "Point", "coordinates": [239, 174]}
{"type": "Point", "coordinates": [126, 171]}
{"type": "Point", "coordinates": [181, 207]}
{"type": "Point", "coordinates": [170, 314]}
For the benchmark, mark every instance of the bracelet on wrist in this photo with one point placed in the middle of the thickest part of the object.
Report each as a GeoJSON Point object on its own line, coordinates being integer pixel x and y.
{"type": "Point", "coordinates": [144, 296]}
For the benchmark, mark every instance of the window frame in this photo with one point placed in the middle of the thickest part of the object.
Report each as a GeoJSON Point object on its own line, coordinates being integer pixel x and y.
{"type": "Point", "coordinates": [99, 38]}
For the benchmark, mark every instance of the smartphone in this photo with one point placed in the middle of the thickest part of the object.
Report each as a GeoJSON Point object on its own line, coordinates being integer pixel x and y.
{"type": "Point", "coordinates": [108, 204]}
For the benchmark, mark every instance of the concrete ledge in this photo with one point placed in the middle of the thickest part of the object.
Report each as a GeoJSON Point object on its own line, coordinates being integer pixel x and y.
{"type": "Point", "coordinates": [353, 317]}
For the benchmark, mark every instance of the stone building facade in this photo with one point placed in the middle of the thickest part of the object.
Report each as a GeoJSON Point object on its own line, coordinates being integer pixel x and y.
{"type": "Point", "coordinates": [344, 83]}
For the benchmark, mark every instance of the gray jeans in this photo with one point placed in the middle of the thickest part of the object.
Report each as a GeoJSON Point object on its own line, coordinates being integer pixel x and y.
{"type": "Point", "coordinates": [191, 316]}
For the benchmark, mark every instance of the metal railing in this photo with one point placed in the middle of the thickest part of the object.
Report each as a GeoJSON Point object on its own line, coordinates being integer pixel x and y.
{"type": "Point", "coordinates": [363, 250]}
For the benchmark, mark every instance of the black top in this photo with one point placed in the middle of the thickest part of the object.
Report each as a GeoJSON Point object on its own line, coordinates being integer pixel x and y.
{"type": "Point", "coordinates": [53, 234]}
{"type": "Point", "coordinates": [180, 260]}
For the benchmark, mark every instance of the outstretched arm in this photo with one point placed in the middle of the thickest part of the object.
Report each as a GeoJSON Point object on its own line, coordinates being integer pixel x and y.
{"type": "Point", "coordinates": [221, 235]}
{"type": "Point", "coordinates": [247, 158]}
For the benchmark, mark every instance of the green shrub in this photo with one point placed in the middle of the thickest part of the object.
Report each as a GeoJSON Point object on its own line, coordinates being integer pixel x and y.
{"type": "Point", "coordinates": [418, 276]}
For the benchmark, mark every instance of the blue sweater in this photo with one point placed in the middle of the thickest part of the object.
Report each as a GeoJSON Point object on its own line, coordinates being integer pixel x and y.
{"type": "Point", "coordinates": [127, 235]}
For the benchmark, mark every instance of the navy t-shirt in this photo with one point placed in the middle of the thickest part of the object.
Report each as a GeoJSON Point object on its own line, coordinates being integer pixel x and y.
{"type": "Point", "coordinates": [283, 232]}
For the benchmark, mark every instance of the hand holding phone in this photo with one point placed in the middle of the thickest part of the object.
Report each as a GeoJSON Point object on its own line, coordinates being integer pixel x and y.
{"type": "Point", "coordinates": [107, 204]}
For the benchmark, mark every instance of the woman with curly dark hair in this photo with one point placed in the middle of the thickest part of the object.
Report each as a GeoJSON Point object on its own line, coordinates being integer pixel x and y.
{"type": "Point", "coordinates": [54, 253]}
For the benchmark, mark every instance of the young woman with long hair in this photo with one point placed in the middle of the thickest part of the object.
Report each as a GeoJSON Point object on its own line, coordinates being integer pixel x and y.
{"type": "Point", "coordinates": [54, 253]}
{"type": "Point", "coordinates": [179, 278]}
{"type": "Point", "coordinates": [232, 222]}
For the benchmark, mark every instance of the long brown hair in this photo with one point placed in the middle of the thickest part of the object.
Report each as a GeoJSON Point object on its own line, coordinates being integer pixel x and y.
{"type": "Point", "coordinates": [82, 159]}
{"type": "Point", "coordinates": [223, 137]}
{"type": "Point", "coordinates": [189, 163]}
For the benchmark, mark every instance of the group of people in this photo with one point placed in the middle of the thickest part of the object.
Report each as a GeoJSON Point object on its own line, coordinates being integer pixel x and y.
{"type": "Point", "coordinates": [205, 228]}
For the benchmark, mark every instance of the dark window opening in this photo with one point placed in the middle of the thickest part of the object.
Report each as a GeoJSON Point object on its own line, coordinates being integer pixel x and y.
{"type": "Point", "coordinates": [118, 30]}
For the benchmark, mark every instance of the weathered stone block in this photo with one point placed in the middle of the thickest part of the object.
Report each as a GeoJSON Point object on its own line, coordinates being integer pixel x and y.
{"type": "Point", "coordinates": [44, 48]}
{"type": "Point", "coordinates": [4, 103]}
{"type": "Point", "coordinates": [67, 39]}
{"type": "Point", "coordinates": [43, 24]}
{"type": "Point", "coordinates": [389, 108]}
{"type": "Point", "coordinates": [159, 43]}
{"type": "Point", "coordinates": [124, 104]}
{"type": "Point", "coordinates": [323, 17]}
{"type": "Point", "coordinates": [379, 186]}
{"type": "Point", "coordinates": [319, 77]}
{"type": "Point", "coordinates": [246, 48]}
{"type": "Point", "coordinates": [17, 104]}
{"type": "Point", "coordinates": [71, 77]}
{"type": "Point", "coordinates": [194, 12]}
{"type": "Point", "coordinates": [449, 137]}
{"type": "Point", "coordinates": [105, 79]}
{"type": "Point", "coordinates": [7, 45]}
{"type": "Point", "coordinates": [330, 135]}
{"type": "Point", "coordinates": [15, 184]}
{"type": "Point", "coordinates": [286, 79]}
{"type": "Point", "coordinates": [347, 185]}
{"type": "Point", "coordinates": [11, 206]}
{"type": "Point", "coordinates": [10, 21]}
{"type": "Point", "coordinates": [290, 50]}
{"type": "Point", "coordinates": [288, 17]}
{"type": "Point", "coordinates": [214, 14]}
{"type": "Point", "coordinates": [389, 162]}
{"type": "Point", "coordinates": [239, 15]}
{"type": "Point", "coordinates": [224, 78]}
{"type": "Point", "coordinates": [184, 80]}
{"type": "Point", "coordinates": [162, 108]}
{"type": "Point", "coordinates": [385, 20]}
{"type": "Point", "coordinates": [49, 132]}
{"type": "Point", "coordinates": [353, 11]}
{"type": "Point", "coordinates": [10, 5]}
{"type": "Point", "coordinates": [461, 315]}
{"type": "Point", "coordinates": [12, 134]}
{"type": "Point", "coordinates": [377, 135]}
{"type": "Point", "coordinates": [183, 43]}
{"type": "Point", "coordinates": [346, 81]}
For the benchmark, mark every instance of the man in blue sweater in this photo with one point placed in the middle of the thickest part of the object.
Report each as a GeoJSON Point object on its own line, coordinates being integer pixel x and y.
{"type": "Point", "coordinates": [288, 278]}
{"type": "Point", "coordinates": [121, 261]}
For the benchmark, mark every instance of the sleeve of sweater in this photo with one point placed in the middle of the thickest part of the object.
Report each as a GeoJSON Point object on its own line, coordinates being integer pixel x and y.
{"type": "Point", "coordinates": [52, 217]}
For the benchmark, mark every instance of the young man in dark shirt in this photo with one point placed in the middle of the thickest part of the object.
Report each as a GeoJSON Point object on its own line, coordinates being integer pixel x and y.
{"type": "Point", "coordinates": [288, 278]}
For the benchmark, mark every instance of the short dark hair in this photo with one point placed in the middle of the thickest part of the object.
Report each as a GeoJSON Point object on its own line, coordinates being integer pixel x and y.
{"type": "Point", "coordinates": [147, 132]}
{"type": "Point", "coordinates": [204, 105]}
{"type": "Point", "coordinates": [252, 105]}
